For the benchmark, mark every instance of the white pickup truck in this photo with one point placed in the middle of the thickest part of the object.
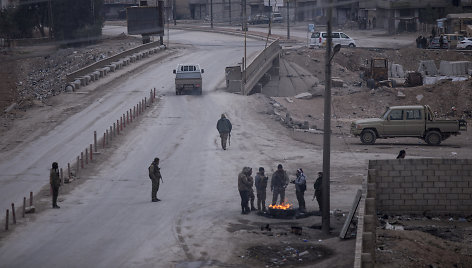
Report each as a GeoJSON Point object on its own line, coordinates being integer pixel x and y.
{"type": "Point", "coordinates": [188, 78]}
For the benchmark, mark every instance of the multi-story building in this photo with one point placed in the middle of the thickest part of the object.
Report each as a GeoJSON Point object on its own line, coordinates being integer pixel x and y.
{"type": "Point", "coordinates": [404, 15]}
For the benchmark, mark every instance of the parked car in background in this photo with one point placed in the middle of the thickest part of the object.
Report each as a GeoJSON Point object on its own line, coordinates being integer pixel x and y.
{"type": "Point", "coordinates": [466, 43]}
{"type": "Point", "coordinates": [318, 39]}
{"type": "Point", "coordinates": [277, 18]}
{"type": "Point", "coordinates": [434, 44]}
{"type": "Point", "coordinates": [259, 19]}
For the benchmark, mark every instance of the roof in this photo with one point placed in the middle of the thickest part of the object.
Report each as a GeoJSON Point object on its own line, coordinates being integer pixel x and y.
{"type": "Point", "coordinates": [460, 16]}
{"type": "Point", "coordinates": [408, 107]}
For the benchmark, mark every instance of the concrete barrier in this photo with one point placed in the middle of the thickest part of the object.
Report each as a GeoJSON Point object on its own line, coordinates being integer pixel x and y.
{"type": "Point", "coordinates": [102, 63]}
{"type": "Point", "coordinates": [454, 68]}
{"type": "Point", "coordinates": [428, 67]}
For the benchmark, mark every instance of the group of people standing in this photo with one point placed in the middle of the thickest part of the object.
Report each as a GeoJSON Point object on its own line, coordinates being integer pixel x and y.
{"type": "Point", "coordinates": [278, 184]}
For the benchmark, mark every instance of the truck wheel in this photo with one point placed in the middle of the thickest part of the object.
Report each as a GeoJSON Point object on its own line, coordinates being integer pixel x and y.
{"type": "Point", "coordinates": [433, 138]}
{"type": "Point", "coordinates": [368, 136]}
{"type": "Point", "coordinates": [352, 45]}
{"type": "Point", "coordinates": [371, 83]}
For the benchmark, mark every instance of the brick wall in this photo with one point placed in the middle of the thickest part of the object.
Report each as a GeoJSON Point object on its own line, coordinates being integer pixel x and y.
{"type": "Point", "coordinates": [418, 186]}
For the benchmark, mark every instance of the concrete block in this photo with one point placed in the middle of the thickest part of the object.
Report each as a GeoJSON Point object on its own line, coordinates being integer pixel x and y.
{"type": "Point", "coordinates": [77, 84]}
{"type": "Point", "coordinates": [83, 81]}
{"type": "Point", "coordinates": [305, 96]}
{"type": "Point", "coordinates": [398, 202]}
{"type": "Point", "coordinates": [370, 223]}
{"type": "Point", "coordinates": [97, 75]}
{"type": "Point", "coordinates": [69, 88]}
{"type": "Point", "coordinates": [428, 67]}
{"type": "Point", "coordinates": [432, 190]}
{"type": "Point", "coordinates": [370, 206]}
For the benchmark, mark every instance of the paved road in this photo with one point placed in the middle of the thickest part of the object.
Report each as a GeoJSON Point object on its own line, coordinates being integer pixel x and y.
{"type": "Point", "coordinates": [109, 221]}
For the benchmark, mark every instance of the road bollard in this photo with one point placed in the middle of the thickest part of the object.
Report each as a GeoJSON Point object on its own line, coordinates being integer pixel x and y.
{"type": "Point", "coordinates": [121, 123]}
{"type": "Point", "coordinates": [95, 140]}
{"type": "Point", "coordinates": [114, 129]}
{"type": "Point", "coordinates": [110, 135]}
{"type": "Point", "coordinates": [81, 159]}
{"type": "Point", "coordinates": [91, 154]}
{"type": "Point", "coordinates": [134, 112]}
{"type": "Point", "coordinates": [127, 117]}
{"type": "Point", "coordinates": [78, 165]}
{"type": "Point", "coordinates": [145, 102]}
{"type": "Point", "coordinates": [154, 93]}
{"type": "Point", "coordinates": [13, 213]}
{"type": "Point", "coordinates": [86, 156]}
{"type": "Point", "coordinates": [31, 199]}
{"type": "Point", "coordinates": [24, 207]}
{"type": "Point", "coordinates": [117, 127]}
{"type": "Point", "coordinates": [150, 96]}
{"type": "Point", "coordinates": [6, 220]}
{"type": "Point", "coordinates": [124, 121]}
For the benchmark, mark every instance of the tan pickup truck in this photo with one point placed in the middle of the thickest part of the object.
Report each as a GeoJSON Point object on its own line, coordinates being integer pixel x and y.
{"type": "Point", "coordinates": [407, 121]}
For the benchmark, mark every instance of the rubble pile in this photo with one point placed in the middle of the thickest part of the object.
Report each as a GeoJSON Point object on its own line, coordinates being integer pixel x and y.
{"type": "Point", "coordinates": [40, 77]}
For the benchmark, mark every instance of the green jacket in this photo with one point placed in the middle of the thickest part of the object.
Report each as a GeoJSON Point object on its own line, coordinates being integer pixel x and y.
{"type": "Point", "coordinates": [54, 178]}
{"type": "Point", "coordinates": [154, 172]}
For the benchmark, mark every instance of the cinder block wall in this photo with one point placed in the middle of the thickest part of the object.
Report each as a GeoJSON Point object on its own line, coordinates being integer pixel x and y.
{"type": "Point", "coordinates": [418, 186]}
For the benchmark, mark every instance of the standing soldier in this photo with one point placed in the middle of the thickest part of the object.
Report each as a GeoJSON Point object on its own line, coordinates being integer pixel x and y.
{"type": "Point", "coordinates": [278, 184]}
{"type": "Point", "coordinates": [251, 192]}
{"type": "Point", "coordinates": [55, 182]}
{"type": "Point", "coordinates": [261, 186]}
{"type": "Point", "coordinates": [224, 128]}
{"type": "Point", "coordinates": [155, 175]}
{"type": "Point", "coordinates": [300, 188]}
{"type": "Point", "coordinates": [317, 187]}
{"type": "Point", "coordinates": [243, 187]}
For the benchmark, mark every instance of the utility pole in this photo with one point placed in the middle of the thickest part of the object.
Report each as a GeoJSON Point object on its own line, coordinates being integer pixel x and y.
{"type": "Point", "coordinates": [50, 20]}
{"type": "Point", "coordinates": [288, 19]}
{"type": "Point", "coordinates": [270, 18]}
{"type": "Point", "coordinates": [325, 220]}
{"type": "Point", "coordinates": [229, 12]}
{"type": "Point", "coordinates": [211, 13]}
{"type": "Point", "coordinates": [243, 15]}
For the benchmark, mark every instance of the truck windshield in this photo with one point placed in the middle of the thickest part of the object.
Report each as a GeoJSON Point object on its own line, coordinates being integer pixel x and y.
{"type": "Point", "coordinates": [385, 114]}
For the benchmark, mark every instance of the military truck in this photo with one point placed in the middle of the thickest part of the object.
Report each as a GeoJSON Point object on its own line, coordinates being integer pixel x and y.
{"type": "Point", "coordinates": [407, 121]}
{"type": "Point", "coordinates": [188, 78]}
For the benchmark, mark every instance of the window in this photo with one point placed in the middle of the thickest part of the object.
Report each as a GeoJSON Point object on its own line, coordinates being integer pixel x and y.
{"type": "Point", "coordinates": [413, 114]}
{"type": "Point", "coordinates": [396, 115]}
{"type": "Point", "coordinates": [324, 35]}
{"type": "Point", "coordinates": [343, 35]}
{"type": "Point", "coordinates": [335, 35]}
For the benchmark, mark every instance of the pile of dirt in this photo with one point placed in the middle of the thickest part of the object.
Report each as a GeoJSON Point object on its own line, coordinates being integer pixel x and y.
{"type": "Point", "coordinates": [38, 72]}
{"type": "Point", "coordinates": [354, 100]}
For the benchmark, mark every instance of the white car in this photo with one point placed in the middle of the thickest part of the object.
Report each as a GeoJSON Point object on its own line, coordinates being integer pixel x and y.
{"type": "Point", "coordinates": [318, 39]}
{"type": "Point", "coordinates": [465, 44]}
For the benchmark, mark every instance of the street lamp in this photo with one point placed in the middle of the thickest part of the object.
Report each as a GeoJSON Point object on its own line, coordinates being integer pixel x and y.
{"type": "Point", "coordinates": [325, 216]}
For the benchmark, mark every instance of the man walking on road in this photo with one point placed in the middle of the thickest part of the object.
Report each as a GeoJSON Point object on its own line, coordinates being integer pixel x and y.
{"type": "Point", "coordinates": [261, 186]}
{"type": "Point", "coordinates": [55, 181]}
{"type": "Point", "coordinates": [224, 128]}
{"type": "Point", "coordinates": [155, 175]}
{"type": "Point", "coordinates": [243, 187]}
{"type": "Point", "coordinates": [278, 184]}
